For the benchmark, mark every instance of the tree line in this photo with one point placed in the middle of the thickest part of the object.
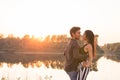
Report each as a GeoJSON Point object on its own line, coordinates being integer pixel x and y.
{"type": "Point", "coordinates": [53, 43]}
{"type": "Point", "coordinates": [31, 43]}
{"type": "Point", "coordinates": [112, 47]}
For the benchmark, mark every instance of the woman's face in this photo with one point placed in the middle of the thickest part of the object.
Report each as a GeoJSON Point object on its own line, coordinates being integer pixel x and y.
{"type": "Point", "coordinates": [84, 36]}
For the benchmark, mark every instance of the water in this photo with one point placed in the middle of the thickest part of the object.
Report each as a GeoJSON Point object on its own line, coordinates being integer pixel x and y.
{"type": "Point", "coordinates": [19, 72]}
{"type": "Point", "coordinates": [107, 70]}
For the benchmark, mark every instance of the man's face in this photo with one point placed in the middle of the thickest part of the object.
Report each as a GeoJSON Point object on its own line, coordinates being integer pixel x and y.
{"type": "Point", "coordinates": [77, 34]}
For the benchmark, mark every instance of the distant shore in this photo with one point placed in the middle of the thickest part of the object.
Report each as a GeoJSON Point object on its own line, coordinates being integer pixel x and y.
{"type": "Point", "coordinates": [34, 52]}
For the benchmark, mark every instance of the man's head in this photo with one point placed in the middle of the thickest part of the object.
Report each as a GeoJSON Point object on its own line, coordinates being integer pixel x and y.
{"type": "Point", "coordinates": [75, 32]}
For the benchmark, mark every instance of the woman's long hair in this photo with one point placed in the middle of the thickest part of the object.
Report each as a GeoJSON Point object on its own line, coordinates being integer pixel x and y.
{"type": "Point", "coordinates": [90, 37]}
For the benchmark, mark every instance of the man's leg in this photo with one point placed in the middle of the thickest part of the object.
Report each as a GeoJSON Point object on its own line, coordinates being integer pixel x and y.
{"type": "Point", "coordinates": [72, 75]}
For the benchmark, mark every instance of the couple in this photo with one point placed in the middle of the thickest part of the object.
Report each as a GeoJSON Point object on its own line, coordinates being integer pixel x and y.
{"type": "Point", "coordinates": [78, 58]}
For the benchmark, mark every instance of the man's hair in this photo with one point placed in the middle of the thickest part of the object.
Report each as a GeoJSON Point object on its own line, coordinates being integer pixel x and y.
{"type": "Point", "coordinates": [74, 30]}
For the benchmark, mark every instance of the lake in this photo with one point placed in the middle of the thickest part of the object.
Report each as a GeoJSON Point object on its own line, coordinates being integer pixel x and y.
{"type": "Point", "coordinates": [107, 70]}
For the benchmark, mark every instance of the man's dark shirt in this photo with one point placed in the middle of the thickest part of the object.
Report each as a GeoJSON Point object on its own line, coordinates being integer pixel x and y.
{"type": "Point", "coordinates": [72, 55]}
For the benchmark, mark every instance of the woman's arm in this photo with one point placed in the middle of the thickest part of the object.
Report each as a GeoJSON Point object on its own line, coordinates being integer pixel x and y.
{"type": "Point", "coordinates": [90, 53]}
{"type": "Point", "coordinates": [95, 46]}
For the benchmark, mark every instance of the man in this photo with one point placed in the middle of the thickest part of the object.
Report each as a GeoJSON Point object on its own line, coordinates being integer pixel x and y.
{"type": "Point", "coordinates": [71, 53]}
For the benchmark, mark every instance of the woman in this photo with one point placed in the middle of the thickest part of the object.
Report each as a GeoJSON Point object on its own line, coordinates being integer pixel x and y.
{"type": "Point", "coordinates": [89, 49]}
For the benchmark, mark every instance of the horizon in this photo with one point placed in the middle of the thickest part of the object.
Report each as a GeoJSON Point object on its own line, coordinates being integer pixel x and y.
{"type": "Point", "coordinates": [42, 18]}
{"type": "Point", "coordinates": [42, 38]}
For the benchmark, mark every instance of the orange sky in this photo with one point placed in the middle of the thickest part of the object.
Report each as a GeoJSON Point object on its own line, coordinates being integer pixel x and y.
{"type": "Point", "coordinates": [47, 17]}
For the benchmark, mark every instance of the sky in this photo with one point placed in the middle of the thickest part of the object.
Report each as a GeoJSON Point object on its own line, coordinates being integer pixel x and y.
{"type": "Point", "coordinates": [48, 17]}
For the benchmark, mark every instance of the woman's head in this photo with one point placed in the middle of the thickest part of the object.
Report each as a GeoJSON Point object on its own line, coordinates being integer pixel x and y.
{"type": "Point", "coordinates": [89, 37]}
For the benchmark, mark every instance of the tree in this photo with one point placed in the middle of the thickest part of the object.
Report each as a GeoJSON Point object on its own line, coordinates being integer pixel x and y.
{"type": "Point", "coordinates": [47, 38]}
{"type": "Point", "coordinates": [1, 36]}
{"type": "Point", "coordinates": [54, 38]}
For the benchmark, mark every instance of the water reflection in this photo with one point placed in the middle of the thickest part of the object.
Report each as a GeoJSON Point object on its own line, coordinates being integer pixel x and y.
{"type": "Point", "coordinates": [107, 70]}
{"type": "Point", "coordinates": [32, 72]}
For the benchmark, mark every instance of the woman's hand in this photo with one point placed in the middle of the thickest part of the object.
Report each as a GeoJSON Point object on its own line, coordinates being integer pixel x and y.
{"type": "Point", "coordinates": [86, 64]}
